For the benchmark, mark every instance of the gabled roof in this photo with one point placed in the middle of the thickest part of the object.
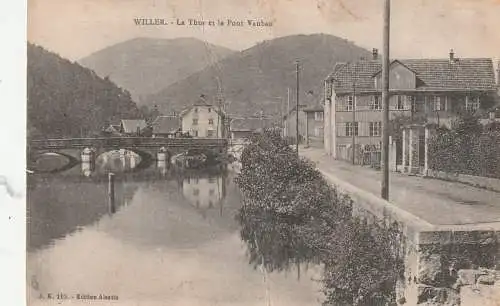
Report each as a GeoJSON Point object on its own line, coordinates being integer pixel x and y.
{"type": "Point", "coordinates": [251, 124]}
{"type": "Point", "coordinates": [392, 64]}
{"type": "Point", "coordinates": [131, 125]}
{"type": "Point", "coordinates": [166, 124]}
{"type": "Point", "coordinates": [200, 103]}
{"type": "Point", "coordinates": [469, 74]}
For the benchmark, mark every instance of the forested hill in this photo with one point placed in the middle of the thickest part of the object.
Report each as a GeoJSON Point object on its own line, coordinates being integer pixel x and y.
{"type": "Point", "coordinates": [257, 78]}
{"type": "Point", "coordinates": [68, 100]}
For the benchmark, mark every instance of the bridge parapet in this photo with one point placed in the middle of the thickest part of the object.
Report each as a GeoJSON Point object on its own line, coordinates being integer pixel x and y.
{"type": "Point", "coordinates": [127, 142]}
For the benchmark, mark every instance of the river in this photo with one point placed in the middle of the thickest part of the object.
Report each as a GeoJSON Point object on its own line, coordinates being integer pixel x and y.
{"type": "Point", "coordinates": [173, 240]}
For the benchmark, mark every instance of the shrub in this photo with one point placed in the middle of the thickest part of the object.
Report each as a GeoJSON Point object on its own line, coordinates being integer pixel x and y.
{"type": "Point", "coordinates": [467, 148]}
{"type": "Point", "coordinates": [292, 215]}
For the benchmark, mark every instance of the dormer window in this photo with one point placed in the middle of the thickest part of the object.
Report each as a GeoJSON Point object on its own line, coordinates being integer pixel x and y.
{"type": "Point", "coordinates": [209, 109]}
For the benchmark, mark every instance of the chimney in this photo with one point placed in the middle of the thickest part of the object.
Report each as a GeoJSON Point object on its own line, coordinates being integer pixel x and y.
{"type": "Point", "coordinates": [452, 56]}
{"type": "Point", "coordinates": [375, 53]}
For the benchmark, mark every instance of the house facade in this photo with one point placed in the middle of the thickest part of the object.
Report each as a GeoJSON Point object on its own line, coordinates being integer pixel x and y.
{"type": "Point", "coordinates": [421, 90]}
{"type": "Point", "coordinates": [314, 126]}
{"type": "Point", "coordinates": [310, 118]}
{"type": "Point", "coordinates": [203, 120]}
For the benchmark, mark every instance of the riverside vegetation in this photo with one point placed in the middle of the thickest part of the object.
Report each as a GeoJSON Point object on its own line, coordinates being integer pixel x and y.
{"type": "Point", "coordinates": [291, 215]}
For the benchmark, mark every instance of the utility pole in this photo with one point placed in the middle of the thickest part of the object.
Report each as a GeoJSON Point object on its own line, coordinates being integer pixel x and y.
{"type": "Point", "coordinates": [385, 100]}
{"type": "Point", "coordinates": [353, 131]}
{"type": "Point", "coordinates": [297, 110]}
{"type": "Point", "coordinates": [288, 112]}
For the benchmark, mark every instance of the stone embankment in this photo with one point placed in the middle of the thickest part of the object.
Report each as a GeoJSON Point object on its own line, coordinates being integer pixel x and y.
{"type": "Point", "coordinates": [451, 243]}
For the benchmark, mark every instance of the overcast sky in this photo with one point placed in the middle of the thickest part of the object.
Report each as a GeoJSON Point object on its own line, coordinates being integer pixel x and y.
{"type": "Point", "coordinates": [420, 28]}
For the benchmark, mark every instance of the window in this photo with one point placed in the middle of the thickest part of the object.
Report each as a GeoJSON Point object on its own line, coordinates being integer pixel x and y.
{"type": "Point", "coordinates": [209, 110]}
{"type": "Point", "coordinates": [196, 191]}
{"type": "Point", "coordinates": [318, 116]}
{"type": "Point", "coordinates": [195, 133]}
{"type": "Point", "coordinates": [375, 103]}
{"type": "Point", "coordinates": [439, 103]}
{"type": "Point", "coordinates": [400, 105]}
{"type": "Point", "coordinates": [196, 109]}
{"type": "Point", "coordinates": [211, 192]}
{"type": "Point", "coordinates": [210, 204]}
{"type": "Point", "coordinates": [210, 133]}
{"type": "Point", "coordinates": [375, 128]}
{"type": "Point", "coordinates": [318, 131]}
{"type": "Point", "coordinates": [211, 179]}
{"type": "Point", "coordinates": [211, 121]}
{"type": "Point", "coordinates": [349, 128]}
{"type": "Point", "coordinates": [195, 121]}
{"type": "Point", "coordinates": [350, 103]}
{"type": "Point", "coordinates": [472, 103]}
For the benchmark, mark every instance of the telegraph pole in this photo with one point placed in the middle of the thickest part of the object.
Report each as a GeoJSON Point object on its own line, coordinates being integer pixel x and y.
{"type": "Point", "coordinates": [385, 100]}
{"type": "Point", "coordinates": [297, 110]}
{"type": "Point", "coordinates": [353, 130]}
{"type": "Point", "coordinates": [288, 112]}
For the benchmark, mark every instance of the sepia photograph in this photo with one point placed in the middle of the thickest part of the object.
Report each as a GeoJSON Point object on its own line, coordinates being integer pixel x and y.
{"type": "Point", "coordinates": [262, 152]}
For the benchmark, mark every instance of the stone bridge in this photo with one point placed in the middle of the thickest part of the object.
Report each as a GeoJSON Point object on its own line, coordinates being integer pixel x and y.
{"type": "Point", "coordinates": [147, 148]}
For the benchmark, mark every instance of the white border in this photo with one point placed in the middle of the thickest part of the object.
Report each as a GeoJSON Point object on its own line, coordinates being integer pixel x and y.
{"type": "Point", "coordinates": [13, 151]}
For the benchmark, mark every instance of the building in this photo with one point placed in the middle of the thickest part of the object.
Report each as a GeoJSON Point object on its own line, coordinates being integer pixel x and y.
{"type": "Point", "coordinates": [311, 124]}
{"type": "Point", "coordinates": [243, 128]}
{"type": "Point", "coordinates": [203, 120]}
{"type": "Point", "coordinates": [166, 126]}
{"type": "Point", "coordinates": [314, 128]}
{"type": "Point", "coordinates": [133, 127]}
{"type": "Point", "coordinates": [421, 90]}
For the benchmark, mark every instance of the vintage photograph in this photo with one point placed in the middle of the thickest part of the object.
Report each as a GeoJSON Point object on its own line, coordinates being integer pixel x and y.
{"type": "Point", "coordinates": [262, 152]}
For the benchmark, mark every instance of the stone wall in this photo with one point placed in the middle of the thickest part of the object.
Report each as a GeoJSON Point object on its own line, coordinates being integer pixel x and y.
{"type": "Point", "coordinates": [436, 258]}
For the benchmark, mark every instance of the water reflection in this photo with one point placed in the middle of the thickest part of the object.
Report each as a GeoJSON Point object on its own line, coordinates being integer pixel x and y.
{"type": "Point", "coordinates": [174, 240]}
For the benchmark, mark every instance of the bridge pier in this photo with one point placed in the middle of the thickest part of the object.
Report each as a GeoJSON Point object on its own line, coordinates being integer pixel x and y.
{"type": "Point", "coordinates": [87, 158]}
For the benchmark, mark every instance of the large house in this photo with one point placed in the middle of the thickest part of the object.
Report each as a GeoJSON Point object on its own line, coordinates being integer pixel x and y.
{"type": "Point", "coordinates": [426, 90]}
{"type": "Point", "coordinates": [203, 120]}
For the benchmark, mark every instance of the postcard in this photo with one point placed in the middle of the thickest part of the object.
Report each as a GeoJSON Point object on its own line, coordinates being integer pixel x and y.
{"type": "Point", "coordinates": [284, 152]}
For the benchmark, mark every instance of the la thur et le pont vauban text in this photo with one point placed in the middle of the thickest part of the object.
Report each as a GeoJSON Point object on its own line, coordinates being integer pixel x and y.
{"type": "Point", "coordinates": [201, 22]}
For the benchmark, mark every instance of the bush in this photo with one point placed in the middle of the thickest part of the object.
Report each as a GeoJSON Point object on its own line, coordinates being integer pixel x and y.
{"type": "Point", "coordinates": [468, 148]}
{"type": "Point", "coordinates": [292, 215]}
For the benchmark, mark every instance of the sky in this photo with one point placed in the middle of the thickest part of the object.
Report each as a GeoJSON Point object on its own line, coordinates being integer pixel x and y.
{"type": "Point", "coordinates": [419, 28]}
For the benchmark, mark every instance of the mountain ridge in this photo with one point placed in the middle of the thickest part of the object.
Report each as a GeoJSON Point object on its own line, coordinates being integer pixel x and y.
{"type": "Point", "coordinates": [256, 78]}
{"type": "Point", "coordinates": [144, 65]}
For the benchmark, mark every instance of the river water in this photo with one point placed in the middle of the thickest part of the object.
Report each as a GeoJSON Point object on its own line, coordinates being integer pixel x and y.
{"type": "Point", "coordinates": [173, 240]}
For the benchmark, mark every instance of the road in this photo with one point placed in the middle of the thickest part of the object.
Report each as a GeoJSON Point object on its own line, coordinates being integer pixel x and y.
{"type": "Point", "coordinates": [436, 201]}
